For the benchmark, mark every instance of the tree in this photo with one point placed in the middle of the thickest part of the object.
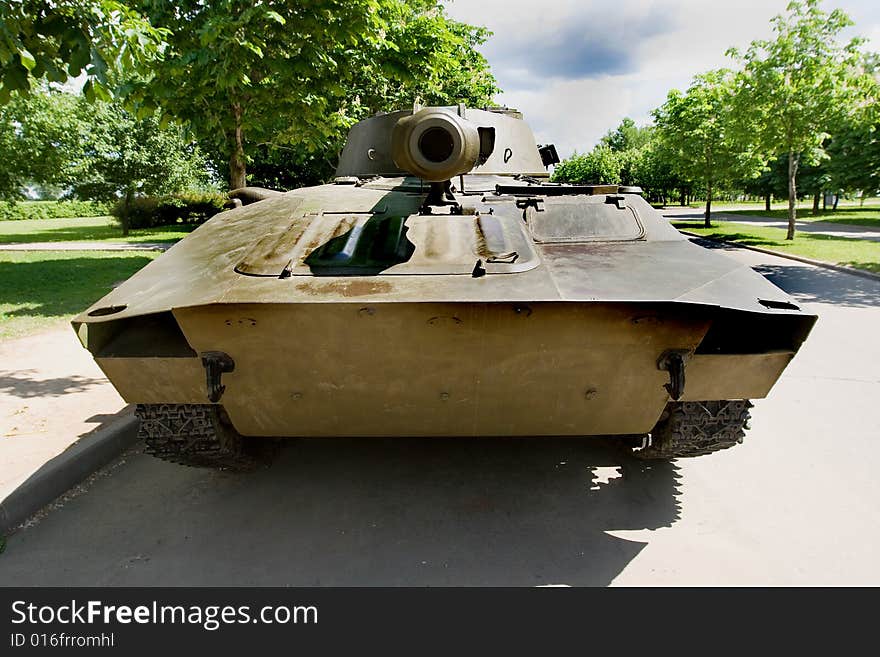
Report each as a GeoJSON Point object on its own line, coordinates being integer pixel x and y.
{"type": "Point", "coordinates": [425, 55]}
{"type": "Point", "coordinates": [694, 128]}
{"type": "Point", "coordinates": [794, 86]}
{"type": "Point", "coordinates": [126, 157]}
{"type": "Point", "coordinates": [854, 148]}
{"type": "Point", "coordinates": [854, 157]}
{"type": "Point", "coordinates": [815, 178]}
{"type": "Point", "coordinates": [772, 181]}
{"type": "Point", "coordinates": [627, 136]}
{"type": "Point", "coordinates": [92, 149]}
{"type": "Point", "coordinates": [655, 173]}
{"type": "Point", "coordinates": [601, 165]}
{"type": "Point", "coordinates": [249, 77]}
{"type": "Point", "coordinates": [56, 40]}
{"type": "Point", "coordinates": [39, 141]}
{"type": "Point", "coordinates": [433, 59]}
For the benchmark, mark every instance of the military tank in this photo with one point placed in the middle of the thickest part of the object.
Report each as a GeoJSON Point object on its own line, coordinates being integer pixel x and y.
{"type": "Point", "coordinates": [441, 285]}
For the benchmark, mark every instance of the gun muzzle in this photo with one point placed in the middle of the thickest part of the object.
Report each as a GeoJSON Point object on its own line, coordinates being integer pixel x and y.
{"type": "Point", "coordinates": [435, 144]}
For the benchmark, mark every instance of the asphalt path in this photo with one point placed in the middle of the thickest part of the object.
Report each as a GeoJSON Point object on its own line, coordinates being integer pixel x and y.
{"type": "Point", "coordinates": [797, 503]}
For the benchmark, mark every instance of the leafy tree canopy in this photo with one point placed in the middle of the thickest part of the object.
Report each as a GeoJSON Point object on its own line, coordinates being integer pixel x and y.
{"type": "Point", "coordinates": [793, 87]}
{"type": "Point", "coordinates": [40, 141]}
{"type": "Point", "coordinates": [627, 136]}
{"type": "Point", "coordinates": [56, 40]}
{"type": "Point", "coordinates": [600, 166]}
{"type": "Point", "coordinates": [93, 150]}
{"type": "Point", "coordinates": [124, 154]}
{"type": "Point", "coordinates": [695, 129]}
{"type": "Point", "coordinates": [246, 77]}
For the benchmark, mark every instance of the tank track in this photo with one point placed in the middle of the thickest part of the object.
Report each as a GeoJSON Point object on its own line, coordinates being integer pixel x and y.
{"type": "Point", "coordinates": [194, 435]}
{"type": "Point", "coordinates": [688, 429]}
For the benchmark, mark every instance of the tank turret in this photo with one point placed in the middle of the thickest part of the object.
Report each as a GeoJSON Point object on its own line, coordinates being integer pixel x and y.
{"type": "Point", "coordinates": [439, 143]}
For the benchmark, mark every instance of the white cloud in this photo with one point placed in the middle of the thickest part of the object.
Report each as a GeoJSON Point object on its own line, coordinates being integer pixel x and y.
{"type": "Point", "coordinates": [640, 49]}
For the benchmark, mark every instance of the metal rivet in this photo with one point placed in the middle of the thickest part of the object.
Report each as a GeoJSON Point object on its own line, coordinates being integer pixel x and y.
{"type": "Point", "coordinates": [591, 393]}
{"type": "Point", "coordinates": [296, 395]}
{"type": "Point", "coordinates": [367, 312]}
{"type": "Point", "coordinates": [444, 396]}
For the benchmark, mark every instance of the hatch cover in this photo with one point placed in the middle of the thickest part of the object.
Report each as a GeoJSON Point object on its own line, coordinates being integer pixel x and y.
{"type": "Point", "coordinates": [606, 218]}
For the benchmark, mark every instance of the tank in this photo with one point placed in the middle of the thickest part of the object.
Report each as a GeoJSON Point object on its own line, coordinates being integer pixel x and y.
{"type": "Point", "coordinates": [441, 285]}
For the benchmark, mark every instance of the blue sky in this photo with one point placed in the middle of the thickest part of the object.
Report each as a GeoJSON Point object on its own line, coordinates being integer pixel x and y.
{"type": "Point", "coordinates": [575, 68]}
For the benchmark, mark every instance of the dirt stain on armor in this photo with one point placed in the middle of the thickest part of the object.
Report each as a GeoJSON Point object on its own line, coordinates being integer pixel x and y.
{"type": "Point", "coordinates": [345, 288]}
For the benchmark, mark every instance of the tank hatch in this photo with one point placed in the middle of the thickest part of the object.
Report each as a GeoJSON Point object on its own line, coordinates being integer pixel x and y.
{"type": "Point", "coordinates": [607, 218]}
{"type": "Point", "coordinates": [365, 244]}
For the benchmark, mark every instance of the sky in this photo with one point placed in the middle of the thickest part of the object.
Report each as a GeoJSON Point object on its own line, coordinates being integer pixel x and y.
{"type": "Point", "coordinates": [576, 68]}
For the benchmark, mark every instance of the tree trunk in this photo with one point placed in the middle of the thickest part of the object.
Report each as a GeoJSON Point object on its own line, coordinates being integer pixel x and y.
{"type": "Point", "coordinates": [767, 202]}
{"type": "Point", "coordinates": [792, 193]}
{"type": "Point", "coordinates": [237, 172]}
{"type": "Point", "coordinates": [708, 204]}
{"type": "Point", "coordinates": [683, 199]}
{"type": "Point", "coordinates": [816, 204]}
{"type": "Point", "coordinates": [824, 201]}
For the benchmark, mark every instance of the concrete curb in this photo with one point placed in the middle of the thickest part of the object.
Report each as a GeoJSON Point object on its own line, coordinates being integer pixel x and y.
{"type": "Point", "coordinates": [66, 470]}
{"type": "Point", "coordinates": [808, 261]}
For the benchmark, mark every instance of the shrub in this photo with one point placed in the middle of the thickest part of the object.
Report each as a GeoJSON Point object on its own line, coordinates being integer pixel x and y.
{"type": "Point", "coordinates": [50, 210]}
{"type": "Point", "coordinates": [183, 208]}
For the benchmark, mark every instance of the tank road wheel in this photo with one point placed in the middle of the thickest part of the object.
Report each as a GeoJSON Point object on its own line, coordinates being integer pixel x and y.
{"type": "Point", "coordinates": [696, 428]}
{"type": "Point", "coordinates": [196, 435]}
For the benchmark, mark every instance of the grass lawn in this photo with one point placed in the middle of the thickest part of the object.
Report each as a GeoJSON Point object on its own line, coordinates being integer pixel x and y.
{"type": "Point", "coordinates": [41, 289]}
{"type": "Point", "coordinates": [89, 229]}
{"type": "Point", "coordinates": [867, 216]}
{"type": "Point", "coordinates": [804, 206]}
{"type": "Point", "coordinates": [861, 254]}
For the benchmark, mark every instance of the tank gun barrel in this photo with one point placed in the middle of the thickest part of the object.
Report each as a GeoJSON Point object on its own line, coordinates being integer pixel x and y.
{"type": "Point", "coordinates": [435, 144]}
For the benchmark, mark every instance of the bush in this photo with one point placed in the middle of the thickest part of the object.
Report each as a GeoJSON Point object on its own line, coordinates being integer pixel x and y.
{"type": "Point", "coordinates": [184, 208]}
{"type": "Point", "coordinates": [50, 210]}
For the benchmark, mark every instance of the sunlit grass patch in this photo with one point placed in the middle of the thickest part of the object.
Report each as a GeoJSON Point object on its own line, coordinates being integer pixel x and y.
{"type": "Point", "coordinates": [40, 289]}
{"type": "Point", "coordinates": [86, 229]}
{"type": "Point", "coordinates": [862, 254]}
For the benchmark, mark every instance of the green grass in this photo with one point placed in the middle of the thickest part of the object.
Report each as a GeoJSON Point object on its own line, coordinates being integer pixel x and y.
{"type": "Point", "coordinates": [42, 289]}
{"type": "Point", "coordinates": [89, 229]}
{"type": "Point", "coordinates": [854, 216]}
{"type": "Point", "coordinates": [861, 254]}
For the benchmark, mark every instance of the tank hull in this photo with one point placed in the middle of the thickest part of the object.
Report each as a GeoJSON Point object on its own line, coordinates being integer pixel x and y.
{"type": "Point", "coordinates": [488, 303]}
{"type": "Point", "coordinates": [441, 369]}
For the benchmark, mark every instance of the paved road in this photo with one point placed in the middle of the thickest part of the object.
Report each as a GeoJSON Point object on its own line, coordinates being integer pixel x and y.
{"type": "Point", "coordinates": [818, 227]}
{"type": "Point", "coordinates": [798, 503]}
{"type": "Point", "coordinates": [51, 394]}
{"type": "Point", "coordinates": [86, 246]}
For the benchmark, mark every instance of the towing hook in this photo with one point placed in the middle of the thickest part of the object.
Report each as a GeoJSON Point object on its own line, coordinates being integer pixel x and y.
{"type": "Point", "coordinates": [673, 361]}
{"type": "Point", "coordinates": [216, 363]}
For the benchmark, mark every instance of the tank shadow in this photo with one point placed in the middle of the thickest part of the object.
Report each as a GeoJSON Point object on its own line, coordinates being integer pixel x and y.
{"type": "Point", "coordinates": [423, 512]}
{"type": "Point", "coordinates": [815, 285]}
